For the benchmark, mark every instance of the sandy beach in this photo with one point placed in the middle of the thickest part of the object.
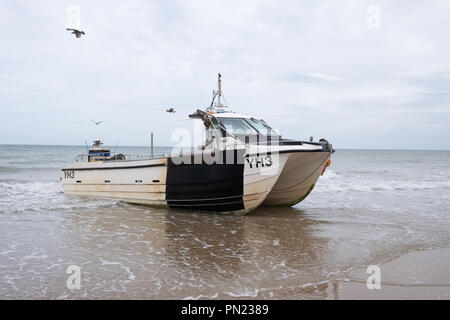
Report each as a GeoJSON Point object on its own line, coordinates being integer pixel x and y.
{"type": "Point", "coordinates": [417, 275]}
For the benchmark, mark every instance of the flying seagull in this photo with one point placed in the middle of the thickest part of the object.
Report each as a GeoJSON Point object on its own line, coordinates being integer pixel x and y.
{"type": "Point", "coordinates": [171, 110]}
{"type": "Point", "coordinates": [76, 32]}
{"type": "Point", "coordinates": [96, 122]}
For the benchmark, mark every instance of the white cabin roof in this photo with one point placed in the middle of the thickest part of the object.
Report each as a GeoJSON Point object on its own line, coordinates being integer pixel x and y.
{"type": "Point", "coordinates": [231, 115]}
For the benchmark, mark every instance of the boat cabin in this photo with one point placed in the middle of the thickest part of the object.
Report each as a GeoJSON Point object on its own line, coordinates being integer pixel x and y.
{"type": "Point", "coordinates": [97, 152]}
{"type": "Point", "coordinates": [237, 125]}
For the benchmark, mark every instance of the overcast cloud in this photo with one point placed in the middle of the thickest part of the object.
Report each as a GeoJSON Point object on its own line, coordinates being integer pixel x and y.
{"type": "Point", "coordinates": [307, 68]}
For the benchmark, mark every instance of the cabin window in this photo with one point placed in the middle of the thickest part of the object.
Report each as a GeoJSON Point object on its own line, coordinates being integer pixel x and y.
{"type": "Point", "coordinates": [261, 127]}
{"type": "Point", "coordinates": [237, 126]}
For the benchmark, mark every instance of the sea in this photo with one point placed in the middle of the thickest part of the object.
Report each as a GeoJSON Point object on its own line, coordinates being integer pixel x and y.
{"type": "Point", "coordinates": [370, 207]}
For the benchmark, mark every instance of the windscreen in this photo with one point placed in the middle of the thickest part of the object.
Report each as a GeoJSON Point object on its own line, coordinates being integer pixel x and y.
{"type": "Point", "coordinates": [237, 126]}
{"type": "Point", "coordinates": [261, 127]}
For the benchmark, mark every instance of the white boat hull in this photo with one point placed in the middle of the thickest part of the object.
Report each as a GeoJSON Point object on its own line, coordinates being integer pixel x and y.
{"type": "Point", "coordinates": [239, 187]}
{"type": "Point", "coordinates": [272, 179]}
{"type": "Point", "coordinates": [299, 176]}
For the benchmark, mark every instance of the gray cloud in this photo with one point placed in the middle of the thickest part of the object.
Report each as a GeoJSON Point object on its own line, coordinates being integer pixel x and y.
{"type": "Point", "coordinates": [307, 68]}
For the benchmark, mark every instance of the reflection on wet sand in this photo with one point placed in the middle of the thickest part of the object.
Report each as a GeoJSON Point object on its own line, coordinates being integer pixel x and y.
{"type": "Point", "coordinates": [205, 244]}
{"type": "Point", "coordinates": [128, 252]}
{"type": "Point", "coordinates": [138, 252]}
{"type": "Point", "coordinates": [264, 254]}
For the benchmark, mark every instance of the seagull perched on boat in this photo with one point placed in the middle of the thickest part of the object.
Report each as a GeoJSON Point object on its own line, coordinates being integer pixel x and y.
{"type": "Point", "coordinates": [96, 122]}
{"type": "Point", "coordinates": [171, 110]}
{"type": "Point", "coordinates": [76, 32]}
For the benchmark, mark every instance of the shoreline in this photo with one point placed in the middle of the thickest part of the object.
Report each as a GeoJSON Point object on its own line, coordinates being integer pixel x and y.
{"type": "Point", "coordinates": [419, 275]}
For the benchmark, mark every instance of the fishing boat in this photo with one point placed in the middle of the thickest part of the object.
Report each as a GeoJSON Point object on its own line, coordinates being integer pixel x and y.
{"type": "Point", "coordinates": [243, 164]}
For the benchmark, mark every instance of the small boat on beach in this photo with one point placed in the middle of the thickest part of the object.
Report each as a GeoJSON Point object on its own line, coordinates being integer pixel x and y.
{"type": "Point", "coordinates": [242, 164]}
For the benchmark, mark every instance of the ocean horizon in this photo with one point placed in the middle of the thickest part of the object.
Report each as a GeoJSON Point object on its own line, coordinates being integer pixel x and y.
{"type": "Point", "coordinates": [167, 146]}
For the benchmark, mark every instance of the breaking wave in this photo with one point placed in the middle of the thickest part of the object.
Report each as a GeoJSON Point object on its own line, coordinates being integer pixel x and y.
{"type": "Point", "coordinates": [332, 181]}
{"type": "Point", "coordinates": [30, 188]}
{"type": "Point", "coordinates": [37, 196]}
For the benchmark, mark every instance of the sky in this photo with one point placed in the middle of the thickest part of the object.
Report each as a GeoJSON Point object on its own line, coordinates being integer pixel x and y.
{"type": "Point", "coordinates": [362, 74]}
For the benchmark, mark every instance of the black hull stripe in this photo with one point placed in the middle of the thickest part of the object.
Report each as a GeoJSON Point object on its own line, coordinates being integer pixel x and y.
{"type": "Point", "coordinates": [211, 205]}
{"type": "Point", "coordinates": [200, 183]}
{"type": "Point", "coordinates": [207, 199]}
{"type": "Point", "coordinates": [224, 182]}
{"type": "Point", "coordinates": [116, 168]}
{"type": "Point", "coordinates": [214, 191]}
{"type": "Point", "coordinates": [212, 208]}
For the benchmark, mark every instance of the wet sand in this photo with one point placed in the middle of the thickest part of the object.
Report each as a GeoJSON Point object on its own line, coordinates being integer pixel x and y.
{"type": "Point", "coordinates": [417, 275]}
{"type": "Point", "coordinates": [133, 252]}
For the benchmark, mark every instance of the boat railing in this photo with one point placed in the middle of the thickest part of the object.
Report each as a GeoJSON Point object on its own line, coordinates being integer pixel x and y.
{"type": "Point", "coordinates": [107, 157]}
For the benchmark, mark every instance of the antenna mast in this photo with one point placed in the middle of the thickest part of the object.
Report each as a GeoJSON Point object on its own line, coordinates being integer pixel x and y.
{"type": "Point", "coordinates": [216, 105]}
{"type": "Point", "coordinates": [220, 88]}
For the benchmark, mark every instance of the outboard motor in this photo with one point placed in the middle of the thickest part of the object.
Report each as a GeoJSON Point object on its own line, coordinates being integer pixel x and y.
{"type": "Point", "coordinates": [326, 145]}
